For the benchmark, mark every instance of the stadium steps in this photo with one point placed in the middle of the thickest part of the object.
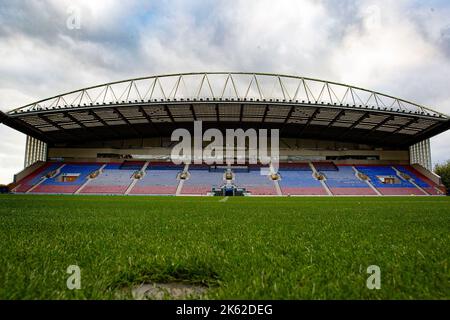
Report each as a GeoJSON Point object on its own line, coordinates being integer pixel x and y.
{"type": "Point", "coordinates": [36, 170]}
{"type": "Point", "coordinates": [344, 181]}
{"type": "Point", "coordinates": [424, 182]}
{"type": "Point", "coordinates": [371, 186]}
{"type": "Point", "coordinates": [401, 188]}
{"type": "Point", "coordinates": [80, 189]}
{"type": "Point", "coordinates": [201, 180]}
{"type": "Point", "coordinates": [160, 179]}
{"type": "Point", "coordinates": [277, 188]}
{"type": "Point", "coordinates": [275, 182]}
{"type": "Point", "coordinates": [133, 183]}
{"type": "Point", "coordinates": [254, 183]}
{"type": "Point", "coordinates": [56, 184]}
{"type": "Point", "coordinates": [322, 182]}
{"type": "Point", "coordinates": [45, 178]}
{"type": "Point", "coordinates": [409, 180]}
{"type": "Point", "coordinates": [298, 179]}
{"type": "Point", "coordinates": [112, 180]}
{"type": "Point", "coordinates": [32, 172]}
{"type": "Point", "coordinates": [181, 181]}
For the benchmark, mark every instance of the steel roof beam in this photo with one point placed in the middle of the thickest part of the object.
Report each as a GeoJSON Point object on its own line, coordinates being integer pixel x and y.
{"type": "Point", "coordinates": [131, 126]}
{"type": "Point", "coordinates": [355, 124]}
{"type": "Point", "coordinates": [217, 112]}
{"type": "Point", "coordinates": [380, 124]}
{"type": "Point", "coordinates": [82, 125]}
{"type": "Point", "coordinates": [241, 112]}
{"type": "Point", "coordinates": [169, 113]}
{"type": "Point", "coordinates": [58, 127]}
{"type": "Point", "coordinates": [311, 118]}
{"type": "Point", "coordinates": [148, 118]}
{"type": "Point", "coordinates": [406, 125]}
{"type": "Point", "coordinates": [266, 109]}
{"type": "Point", "coordinates": [288, 116]}
{"type": "Point", "coordinates": [194, 116]}
{"type": "Point", "coordinates": [335, 119]}
{"type": "Point", "coordinates": [103, 122]}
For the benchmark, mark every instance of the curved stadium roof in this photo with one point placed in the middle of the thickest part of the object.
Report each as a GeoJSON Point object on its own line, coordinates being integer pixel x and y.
{"type": "Point", "coordinates": [299, 106]}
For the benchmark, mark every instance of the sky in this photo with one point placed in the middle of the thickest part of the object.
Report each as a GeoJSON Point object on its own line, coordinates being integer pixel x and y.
{"type": "Point", "coordinates": [401, 48]}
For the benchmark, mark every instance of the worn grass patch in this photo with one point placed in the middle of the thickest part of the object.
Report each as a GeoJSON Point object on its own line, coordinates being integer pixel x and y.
{"type": "Point", "coordinates": [170, 290]}
{"type": "Point", "coordinates": [244, 248]}
{"type": "Point", "coordinates": [169, 281]}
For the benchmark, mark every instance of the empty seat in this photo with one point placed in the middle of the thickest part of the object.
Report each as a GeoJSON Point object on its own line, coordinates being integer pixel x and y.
{"type": "Point", "coordinates": [255, 182]}
{"type": "Point", "coordinates": [201, 180]}
{"type": "Point", "coordinates": [344, 182]}
{"type": "Point", "coordinates": [299, 182]}
{"type": "Point", "coordinates": [79, 172]}
{"type": "Point", "coordinates": [400, 187]}
{"type": "Point", "coordinates": [36, 176]}
{"type": "Point", "coordinates": [159, 179]}
{"type": "Point", "coordinates": [112, 180]}
{"type": "Point", "coordinates": [422, 181]}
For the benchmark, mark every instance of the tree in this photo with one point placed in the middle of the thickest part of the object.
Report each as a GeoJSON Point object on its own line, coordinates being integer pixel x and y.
{"type": "Point", "coordinates": [443, 170]}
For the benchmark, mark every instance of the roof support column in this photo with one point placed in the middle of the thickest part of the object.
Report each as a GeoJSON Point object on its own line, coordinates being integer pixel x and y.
{"type": "Point", "coordinates": [421, 153]}
{"type": "Point", "coordinates": [27, 152]}
{"type": "Point", "coordinates": [35, 150]}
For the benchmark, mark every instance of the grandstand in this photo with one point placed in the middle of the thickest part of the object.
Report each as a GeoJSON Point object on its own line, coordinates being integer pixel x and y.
{"type": "Point", "coordinates": [335, 139]}
{"type": "Point", "coordinates": [201, 180]}
{"type": "Point", "coordinates": [159, 179]}
{"type": "Point", "coordinates": [114, 179]}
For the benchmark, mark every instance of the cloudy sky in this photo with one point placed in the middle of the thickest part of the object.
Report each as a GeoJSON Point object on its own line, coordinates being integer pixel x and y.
{"type": "Point", "coordinates": [397, 47]}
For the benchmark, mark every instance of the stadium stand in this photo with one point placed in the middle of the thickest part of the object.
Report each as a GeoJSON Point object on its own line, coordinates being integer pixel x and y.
{"type": "Point", "coordinates": [202, 180]}
{"type": "Point", "coordinates": [297, 179]}
{"type": "Point", "coordinates": [254, 182]}
{"type": "Point", "coordinates": [398, 187]}
{"type": "Point", "coordinates": [426, 184]}
{"type": "Point", "coordinates": [159, 179]}
{"type": "Point", "coordinates": [343, 181]}
{"type": "Point", "coordinates": [35, 177]}
{"type": "Point", "coordinates": [68, 180]}
{"type": "Point", "coordinates": [113, 180]}
{"type": "Point", "coordinates": [321, 127]}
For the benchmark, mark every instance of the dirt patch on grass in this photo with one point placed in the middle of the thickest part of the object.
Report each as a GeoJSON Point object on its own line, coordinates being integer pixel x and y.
{"type": "Point", "coordinates": [174, 290]}
{"type": "Point", "coordinates": [165, 282]}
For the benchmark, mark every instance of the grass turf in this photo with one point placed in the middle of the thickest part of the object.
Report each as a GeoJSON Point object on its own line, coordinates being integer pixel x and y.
{"type": "Point", "coordinates": [244, 248]}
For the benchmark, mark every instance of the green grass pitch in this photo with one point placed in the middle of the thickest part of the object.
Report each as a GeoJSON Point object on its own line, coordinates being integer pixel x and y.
{"type": "Point", "coordinates": [243, 248]}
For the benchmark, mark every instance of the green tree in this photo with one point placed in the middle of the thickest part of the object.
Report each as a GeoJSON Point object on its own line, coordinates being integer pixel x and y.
{"type": "Point", "coordinates": [443, 170]}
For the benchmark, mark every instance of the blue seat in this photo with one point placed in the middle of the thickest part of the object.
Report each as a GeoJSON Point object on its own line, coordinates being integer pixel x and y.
{"type": "Point", "coordinates": [343, 178]}
{"type": "Point", "coordinates": [373, 172]}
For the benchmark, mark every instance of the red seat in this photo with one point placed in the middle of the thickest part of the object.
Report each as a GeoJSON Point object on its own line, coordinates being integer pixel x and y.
{"type": "Point", "coordinates": [104, 189]}
{"type": "Point", "coordinates": [400, 191]}
{"type": "Point", "coordinates": [154, 190]}
{"type": "Point", "coordinates": [304, 191]}
{"type": "Point", "coordinates": [203, 190]}
{"type": "Point", "coordinates": [352, 191]}
{"type": "Point", "coordinates": [55, 189]}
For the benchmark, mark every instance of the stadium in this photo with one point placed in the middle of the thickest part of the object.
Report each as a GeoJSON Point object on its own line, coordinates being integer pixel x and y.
{"type": "Point", "coordinates": [102, 193]}
{"type": "Point", "coordinates": [334, 139]}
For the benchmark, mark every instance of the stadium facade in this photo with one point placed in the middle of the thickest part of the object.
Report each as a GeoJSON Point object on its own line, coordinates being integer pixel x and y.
{"type": "Point", "coordinates": [335, 139]}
